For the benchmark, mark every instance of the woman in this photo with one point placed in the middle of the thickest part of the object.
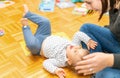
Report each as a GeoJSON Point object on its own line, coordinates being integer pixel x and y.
{"type": "Point", "coordinates": [105, 65]}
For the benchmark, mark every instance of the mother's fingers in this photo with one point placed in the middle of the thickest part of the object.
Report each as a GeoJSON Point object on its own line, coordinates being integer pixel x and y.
{"type": "Point", "coordinates": [87, 71]}
{"type": "Point", "coordinates": [85, 62]}
{"type": "Point", "coordinates": [89, 56]}
{"type": "Point", "coordinates": [83, 67]}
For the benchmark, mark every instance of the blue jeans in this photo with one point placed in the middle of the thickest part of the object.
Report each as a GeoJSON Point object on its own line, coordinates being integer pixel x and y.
{"type": "Point", "coordinates": [106, 42]}
{"type": "Point", "coordinates": [108, 73]}
{"type": "Point", "coordinates": [105, 38]}
{"type": "Point", "coordinates": [34, 42]}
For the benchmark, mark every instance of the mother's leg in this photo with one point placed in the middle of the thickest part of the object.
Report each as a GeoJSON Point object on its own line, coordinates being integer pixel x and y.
{"type": "Point", "coordinates": [108, 73]}
{"type": "Point", "coordinates": [104, 36]}
{"type": "Point", "coordinates": [97, 48]}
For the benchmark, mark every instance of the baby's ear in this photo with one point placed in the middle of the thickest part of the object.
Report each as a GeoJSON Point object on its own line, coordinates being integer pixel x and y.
{"type": "Point", "coordinates": [69, 62]}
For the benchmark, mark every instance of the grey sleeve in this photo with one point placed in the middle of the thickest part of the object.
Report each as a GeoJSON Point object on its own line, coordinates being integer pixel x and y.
{"type": "Point", "coordinates": [51, 65]}
{"type": "Point", "coordinates": [116, 61]}
{"type": "Point", "coordinates": [80, 36]}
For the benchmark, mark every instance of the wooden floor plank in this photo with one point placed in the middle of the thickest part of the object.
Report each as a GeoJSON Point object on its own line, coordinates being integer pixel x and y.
{"type": "Point", "coordinates": [13, 62]}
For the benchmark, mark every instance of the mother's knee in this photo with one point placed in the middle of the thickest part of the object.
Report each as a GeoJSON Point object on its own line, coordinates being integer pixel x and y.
{"type": "Point", "coordinates": [85, 27]}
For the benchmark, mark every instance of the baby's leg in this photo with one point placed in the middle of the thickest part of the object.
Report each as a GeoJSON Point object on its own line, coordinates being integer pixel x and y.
{"type": "Point", "coordinates": [43, 23]}
{"type": "Point", "coordinates": [31, 41]}
{"type": "Point", "coordinates": [26, 9]}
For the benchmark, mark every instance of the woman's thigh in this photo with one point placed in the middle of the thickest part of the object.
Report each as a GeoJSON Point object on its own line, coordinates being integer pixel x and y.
{"type": "Point", "coordinates": [104, 37]}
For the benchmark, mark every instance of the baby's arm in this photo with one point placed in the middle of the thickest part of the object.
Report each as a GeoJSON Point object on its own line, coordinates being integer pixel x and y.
{"type": "Point", "coordinates": [52, 65]}
{"type": "Point", "coordinates": [80, 36]}
{"type": "Point", "coordinates": [60, 72]}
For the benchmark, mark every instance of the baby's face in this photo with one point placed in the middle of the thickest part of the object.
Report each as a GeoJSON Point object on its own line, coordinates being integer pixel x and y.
{"type": "Point", "coordinates": [74, 54]}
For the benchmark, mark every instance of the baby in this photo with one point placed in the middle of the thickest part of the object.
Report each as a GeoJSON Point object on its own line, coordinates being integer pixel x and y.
{"type": "Point", "coordinates": [59, 51]}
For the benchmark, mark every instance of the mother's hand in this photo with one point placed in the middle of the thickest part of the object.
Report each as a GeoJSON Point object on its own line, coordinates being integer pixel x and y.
{"type": "Point", "coordinates": [94, 62]}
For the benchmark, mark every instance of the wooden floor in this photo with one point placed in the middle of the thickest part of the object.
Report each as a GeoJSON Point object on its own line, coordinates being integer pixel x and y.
{"type": "Point", "coordinates": [13, 62]}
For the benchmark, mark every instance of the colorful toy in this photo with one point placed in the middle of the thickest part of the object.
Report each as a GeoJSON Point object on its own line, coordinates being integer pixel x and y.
{"type": "Point", "coordinates": [80, 10]}
{"type": "Point", "coordinates": [2, 32]}
{"type": "Point", "coordinates": [64, 4]}
{"type": "Point", "coordinates": [47, 5]}
{"type": "Point", "coordinates": [77, 0]}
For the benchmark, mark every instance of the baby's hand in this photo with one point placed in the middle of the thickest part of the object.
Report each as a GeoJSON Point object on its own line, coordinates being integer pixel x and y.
{"type": "Point", "coordinates": [91, 44]}
{"type": "Point", "coordinates": [60, 72]}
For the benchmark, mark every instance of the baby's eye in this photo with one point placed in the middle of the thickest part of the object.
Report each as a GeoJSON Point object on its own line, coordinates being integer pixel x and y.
{"type": "Point", "coordinates": [87, 2]}
{"type": "Point", "coordinates": [75, 51]}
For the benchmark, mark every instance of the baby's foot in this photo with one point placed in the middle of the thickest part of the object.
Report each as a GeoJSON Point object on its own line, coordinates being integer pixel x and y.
{"type": "Point", "coordinates": [24, 21]}
{"type": "Point", "coordinates": [26, 9]}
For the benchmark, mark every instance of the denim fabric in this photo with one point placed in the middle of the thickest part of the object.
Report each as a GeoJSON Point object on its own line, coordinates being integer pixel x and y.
{"type": "Point", "coordinates": [108, 73]}
{"type": "Point", "coordinates": [106, 42]}
{"type": "Point", "coordinates": [34, 42]}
